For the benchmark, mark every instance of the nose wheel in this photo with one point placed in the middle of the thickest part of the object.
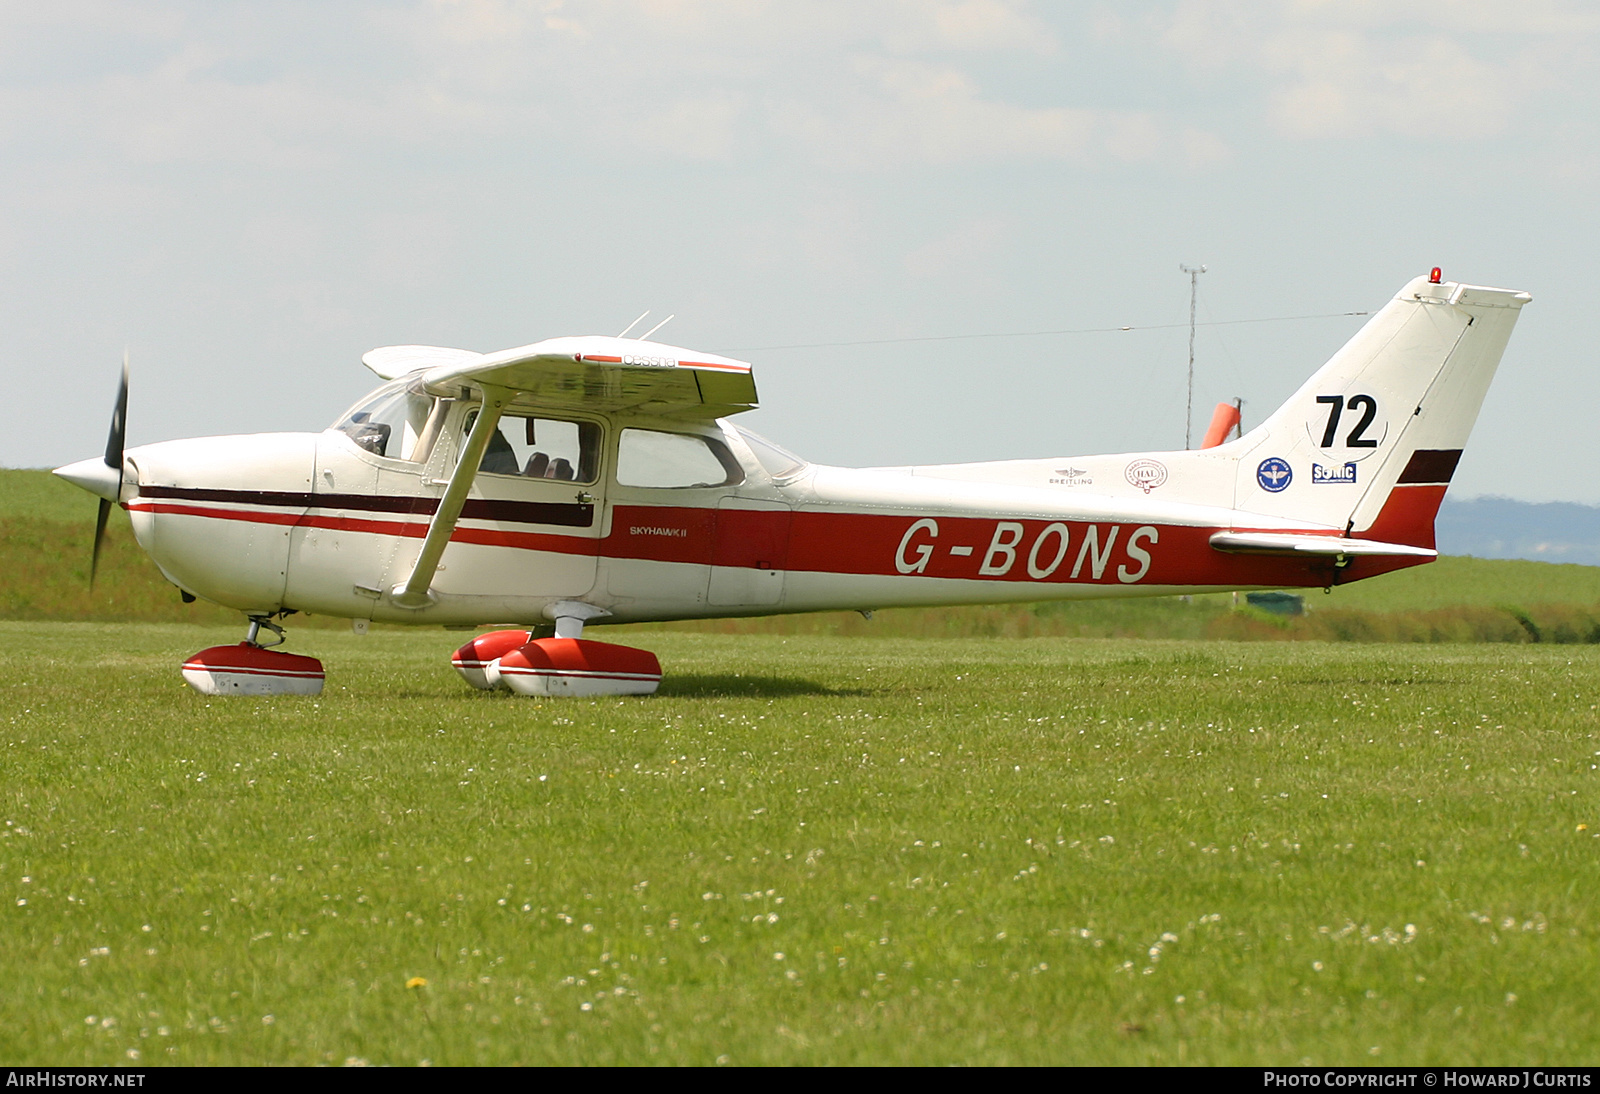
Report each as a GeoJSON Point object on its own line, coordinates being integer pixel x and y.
{"type": "Point", "coordinates": [253, 667]}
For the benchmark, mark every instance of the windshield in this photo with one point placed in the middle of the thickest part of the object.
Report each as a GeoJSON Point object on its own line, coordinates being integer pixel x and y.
{"type": "Point", "coordinates": [774, 459]}
{"type": "Point", "coordinates": [391, 422]}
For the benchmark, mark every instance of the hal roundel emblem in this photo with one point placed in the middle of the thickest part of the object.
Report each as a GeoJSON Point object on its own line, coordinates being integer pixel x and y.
{"type": "Point", "coordinates": [1146, 474]}
{"type": "Point", "coordinates": [1274, 475]}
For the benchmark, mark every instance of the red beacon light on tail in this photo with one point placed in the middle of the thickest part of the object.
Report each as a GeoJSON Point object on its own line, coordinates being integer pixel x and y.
{"type": "Point", "coordinates": [1435, 275]}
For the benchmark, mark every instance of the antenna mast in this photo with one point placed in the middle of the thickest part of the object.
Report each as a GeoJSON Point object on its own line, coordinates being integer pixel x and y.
{"type": "Point", "coordinates": [1194, 273]}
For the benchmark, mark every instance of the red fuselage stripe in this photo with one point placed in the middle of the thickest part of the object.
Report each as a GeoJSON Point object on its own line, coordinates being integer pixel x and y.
{"type": "Point", "coordinates": [950, 547]}
{"type": "Point", "coordinates": [489, 537]}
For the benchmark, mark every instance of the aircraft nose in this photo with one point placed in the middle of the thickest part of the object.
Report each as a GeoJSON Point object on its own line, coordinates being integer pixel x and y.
{"type": "Point", "coordinates": [95, 476]}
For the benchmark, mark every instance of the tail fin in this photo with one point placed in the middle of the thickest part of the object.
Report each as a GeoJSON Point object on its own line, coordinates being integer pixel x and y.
{"type": "Point", "coordinates": [1370, 442]}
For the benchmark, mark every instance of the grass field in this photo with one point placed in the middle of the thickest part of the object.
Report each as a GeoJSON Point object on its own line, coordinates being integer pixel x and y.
{"type": "Point", "coordinates": [807, 849]}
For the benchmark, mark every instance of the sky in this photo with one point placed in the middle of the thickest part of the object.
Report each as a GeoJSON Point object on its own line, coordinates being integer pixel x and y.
{"type": "Point", "coordinates": [247, 196]}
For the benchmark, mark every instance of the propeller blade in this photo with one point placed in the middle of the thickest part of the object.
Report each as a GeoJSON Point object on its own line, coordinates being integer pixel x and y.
{"type": "Point", "coordinates": [114, 444]}
{"type": "Point", "coordinates": [119, 421]}
{"type": "Point", "coordinates": [99, 537]}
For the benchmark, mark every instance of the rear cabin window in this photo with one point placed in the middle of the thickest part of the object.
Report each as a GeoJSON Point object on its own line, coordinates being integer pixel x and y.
{"type": "Point", "coordinates": [646, 457]}
{"type": "Point", "coordinates": [541, 448]}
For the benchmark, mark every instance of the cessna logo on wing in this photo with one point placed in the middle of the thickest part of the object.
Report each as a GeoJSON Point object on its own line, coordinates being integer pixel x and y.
{"type": "Point", "coordinates": [649, 362]}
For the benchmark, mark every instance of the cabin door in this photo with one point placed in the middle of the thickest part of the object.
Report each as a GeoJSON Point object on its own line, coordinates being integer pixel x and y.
{"type": "Point", "coordinates": [750, 552]}
{"type": "Point", "coordinates": [531, 526]}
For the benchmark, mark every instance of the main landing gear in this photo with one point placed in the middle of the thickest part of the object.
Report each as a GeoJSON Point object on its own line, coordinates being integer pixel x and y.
{"type": "Point", "coordinates": [253, 668]}
{"type": "Point", "coordinates": [565, 665]}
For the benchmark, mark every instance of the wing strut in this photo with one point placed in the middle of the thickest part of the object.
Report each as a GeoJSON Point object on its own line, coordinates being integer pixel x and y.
{"type": "Point", "coordinates": [414, 593]}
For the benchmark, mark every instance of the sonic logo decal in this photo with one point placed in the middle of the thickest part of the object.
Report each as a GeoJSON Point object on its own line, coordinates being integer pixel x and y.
{"type": "Point", "coordinates": [1274, 475]}
{"type": "Point", "coordinates": [1146, 474]}
{"type": "Point", "coordinates": [1044, 555]}
{"type": "Point", "coordinates": [1345, 474]}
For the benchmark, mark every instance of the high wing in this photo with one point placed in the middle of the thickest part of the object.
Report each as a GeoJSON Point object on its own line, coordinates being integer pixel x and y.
{"type": "Point", "coordinates": [592, 372]}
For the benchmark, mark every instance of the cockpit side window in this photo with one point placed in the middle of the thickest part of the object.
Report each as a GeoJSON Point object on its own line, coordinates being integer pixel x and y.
{"type": "Point", "coordinates": [392, 422]}
{"type": "Point", "coordinates": [646, 457]}
{"type": "Point", "coordinates": [541, 448]}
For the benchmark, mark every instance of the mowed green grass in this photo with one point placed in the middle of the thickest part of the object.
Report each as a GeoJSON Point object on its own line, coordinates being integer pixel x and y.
{"type": "Point", "coordinates": [808, 850]}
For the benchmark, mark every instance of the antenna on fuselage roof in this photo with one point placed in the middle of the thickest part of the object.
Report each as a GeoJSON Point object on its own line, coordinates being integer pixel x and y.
{"type": "Point", "coordinates": [646, 335]}
{"type": "Point", "coordinates": [635, 323]}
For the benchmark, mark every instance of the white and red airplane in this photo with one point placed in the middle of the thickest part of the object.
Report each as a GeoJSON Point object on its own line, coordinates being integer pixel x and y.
{"type": "Point", "coordinates": [597, 479]}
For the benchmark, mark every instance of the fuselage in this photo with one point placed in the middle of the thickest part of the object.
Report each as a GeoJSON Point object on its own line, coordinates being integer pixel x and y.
{"type": "Point", "coordinates": [328, 523]}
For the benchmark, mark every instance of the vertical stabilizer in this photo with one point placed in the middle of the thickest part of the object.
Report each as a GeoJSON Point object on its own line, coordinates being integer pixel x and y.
{"type": "Point", "coordinates": [1369, 443]}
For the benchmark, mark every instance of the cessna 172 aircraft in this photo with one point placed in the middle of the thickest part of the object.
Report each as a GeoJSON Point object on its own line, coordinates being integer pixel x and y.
{"type": "Point", "coordinates": [596, 479]}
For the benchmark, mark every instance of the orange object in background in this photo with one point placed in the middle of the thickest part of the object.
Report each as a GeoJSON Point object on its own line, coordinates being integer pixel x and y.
{"type": "Point", "coordinates": [1223, 421]}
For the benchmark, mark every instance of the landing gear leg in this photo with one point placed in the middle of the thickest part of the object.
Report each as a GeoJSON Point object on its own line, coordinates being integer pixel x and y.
{"type": "Point", "coordinates": [252, 636]}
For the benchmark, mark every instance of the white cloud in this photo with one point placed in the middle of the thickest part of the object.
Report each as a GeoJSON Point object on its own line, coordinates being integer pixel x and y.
{"type": "Point", "coordinates": [1359, 68]}
{"type": "Point", "coordinates": [1345, 85]}
{"type": "Point", "coordinates": [698, 128]}
{"type": "Point", "coordinates": [848, 86]}
{"type": "Point", "coordinates": [1202, 149]}
{"type": "Point", "coordinates": [903, 111]}
{"type": "Point", "coordinates": [978, 25]}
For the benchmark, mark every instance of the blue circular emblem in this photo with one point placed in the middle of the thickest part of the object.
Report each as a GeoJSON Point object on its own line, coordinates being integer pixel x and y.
{"type": "Point", "coordinates": [1274, 475]}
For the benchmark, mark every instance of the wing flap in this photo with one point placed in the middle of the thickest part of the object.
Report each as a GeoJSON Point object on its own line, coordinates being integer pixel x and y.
{"type": "Point", "coordinates": [1281, 543]}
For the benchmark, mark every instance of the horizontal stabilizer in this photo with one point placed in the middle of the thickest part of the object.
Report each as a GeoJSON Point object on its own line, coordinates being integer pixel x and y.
{"type": "Point", "coordinates": [1281, 543]}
